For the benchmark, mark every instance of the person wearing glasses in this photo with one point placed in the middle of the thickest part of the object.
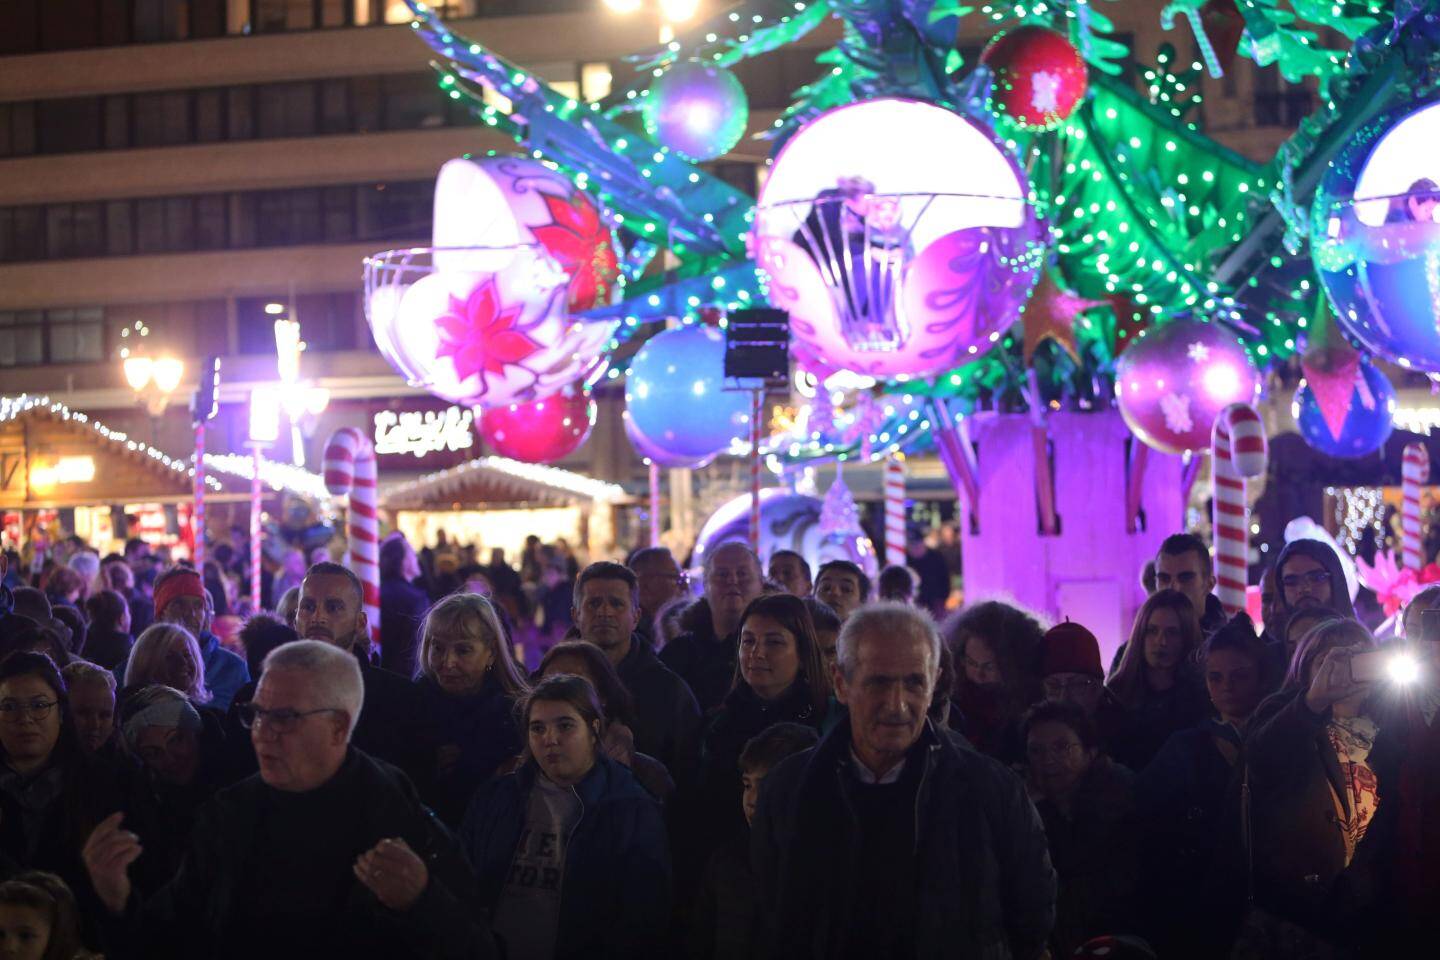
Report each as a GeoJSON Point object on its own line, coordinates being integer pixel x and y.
{"type": "Point", "coordinates": [50, 797]}
{"type": "Point", "coordinates": [660, 581]}
{"type": "Point", "coordinates": [327, 852]}
{"type": "Point", "coordinates": [667, 718]}
{"type": "Point", "coordinates": [997, 650]}
{"type": "Point", "coordinates": [1187, 793]}
{"type": "Point", "coordinates": [1070, 672]}
{"type": "Point", "coordinates": [1087, 803]}
{"type": "Point", "coordinates": [1308, 574]}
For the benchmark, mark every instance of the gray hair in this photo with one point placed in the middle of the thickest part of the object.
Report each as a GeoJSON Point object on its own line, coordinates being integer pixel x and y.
{"type": "Point", "coordinates": [147, 658]}
{"type": "Point", "coordinates": [335, 673]}
{"type": "Point", "coordinates": [889, 622]}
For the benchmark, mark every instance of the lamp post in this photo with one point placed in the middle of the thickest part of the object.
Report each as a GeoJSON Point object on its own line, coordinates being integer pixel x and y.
{"type": "Point", "coordinates": [153, 379]}
{"type": "Point", "coordinates": [298, 397]}
{"type": "Point", "coordinates": [672, 13]}
{"type": "Point", "coordinates": [264, 430]}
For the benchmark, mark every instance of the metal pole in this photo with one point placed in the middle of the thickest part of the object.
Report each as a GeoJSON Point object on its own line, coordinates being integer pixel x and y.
{"type": "Point", "coordinates": [756, 411]}
{"type": "Point", "coordinates": [197, 515]}
{"type": "Point", "coordinates": [257, 457]}
{"type": "Point", "coordinates": [654, 504]}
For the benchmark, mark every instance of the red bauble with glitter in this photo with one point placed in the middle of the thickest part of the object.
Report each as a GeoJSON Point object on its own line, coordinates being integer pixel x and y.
{"type": "Point", "coordinates": [1040, 78]}
{"type": "Point", "coordinates": [541, 431]}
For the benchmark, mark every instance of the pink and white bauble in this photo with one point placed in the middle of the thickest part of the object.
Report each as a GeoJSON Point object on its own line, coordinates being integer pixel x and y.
{"type": "Point", "coordinates": [518, 250]}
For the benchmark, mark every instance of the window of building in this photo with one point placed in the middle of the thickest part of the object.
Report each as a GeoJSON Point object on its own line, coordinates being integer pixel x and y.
{"type": "Point", "coordinates": [22, 233]}
{"type": "Point", "coordinates": [76, 336]}
{"type": "Point", "coordinates": [285, 110]}
{"type": "Point", "coordinates": [327, 321]}
{"type": "Point", "coordinates": [395, 211]}
{"type": "Point", "coordinates": [116, 131]}
{"type": "Point", "coordinates": [22, 338]}
{"type": "Point", "coordinates": [161, 119]}
{"type": "Point", "coordinates": [19, 26]}
{"type": "Point", "coordinates": [69, 24]}
{"type": "Point", "coordinates": [70, 124]}
{"type": "Point", "coordinates": [119, 228]}
{"type": "Point", "coordinates": [159, 20]}
{"type": "Point", "coordinates": [74, 230]}
{"type": "Point", "coordinates": [209, 115]}
{"type": "Point", "coordinates": [17, 128]}
{"type": "Point", "coordinates": [212, 222]}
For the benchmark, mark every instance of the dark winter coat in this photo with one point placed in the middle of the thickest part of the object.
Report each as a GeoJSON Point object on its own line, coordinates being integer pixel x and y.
{"type": "Point", "coordinates": [269, 874]}
{"type": "Point", "coordinates": [705, 662]}
{"type": "Point", "coordinates": [397, 725]}
{"type": "Point", "coordinates": [667, 718]}
{"type": "Point", "coordinates": [107, 648]}
{"type": "Point", "coordinates": [1095, 850]}
{"type": "Point", "coordinates": [402, 608]}
{"type": "Point", "coordinates": [482, 726]}
{"type": "Point", "coordinates": [1158, 716]}
{"type": "Point", "coordinates": [615, 890]}
{"type": "Point", "coordinates": [1293, 776]}
{"type": "Point", "coordinates": [983, 884]}
{"type": "Point", "coordinates": [722, 926]}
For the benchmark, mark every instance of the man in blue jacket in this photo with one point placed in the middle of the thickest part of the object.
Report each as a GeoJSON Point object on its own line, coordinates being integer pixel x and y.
{"type": "Point", "coordinates": [892, 838]}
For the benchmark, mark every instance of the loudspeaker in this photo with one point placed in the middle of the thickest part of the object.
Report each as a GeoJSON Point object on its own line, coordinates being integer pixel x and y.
{"type": "Point", "coordinates": [757, 344]}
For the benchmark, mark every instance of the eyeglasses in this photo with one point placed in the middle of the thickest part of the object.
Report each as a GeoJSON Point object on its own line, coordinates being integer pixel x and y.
{"type": "Point", "coordinates": [988, 669]}
{"type": "Point", "coordinates": [281, 721]}
{"type": "Point", "coordinates": [1295, 581]}
{"type": "Point", "coordinates": [1059, 688]}
{"type": "Point", "coordinates": [13, 711]}
{"type": "Point", "coordinates": [1053, 751]}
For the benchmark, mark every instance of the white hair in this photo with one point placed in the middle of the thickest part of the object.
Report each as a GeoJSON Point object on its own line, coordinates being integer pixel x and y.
{"type": "Point", "coordinates": [886, 622]}
{"type": "Point", "coordinates": [335, 673]}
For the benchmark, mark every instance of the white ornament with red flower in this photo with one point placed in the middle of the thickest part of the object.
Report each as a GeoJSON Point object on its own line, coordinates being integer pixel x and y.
{"type": "Point", "coordinates": [490, 319]}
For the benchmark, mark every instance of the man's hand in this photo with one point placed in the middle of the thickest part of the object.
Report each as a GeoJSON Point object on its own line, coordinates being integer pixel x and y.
{"type": "Point", "coordinates": [393, 872]}
{"type": "Point", "coordinates": [108, 855]}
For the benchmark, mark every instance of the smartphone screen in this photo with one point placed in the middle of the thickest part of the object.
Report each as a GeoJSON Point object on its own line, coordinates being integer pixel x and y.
{"type": "Point", "coordinates": [1368, 667]}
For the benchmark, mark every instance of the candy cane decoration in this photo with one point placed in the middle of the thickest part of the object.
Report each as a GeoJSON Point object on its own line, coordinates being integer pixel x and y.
{"type": "Point", "coordinates": [1238, 451]}
{"type": "Point", "coordinates": [350, 469]}
{"type": "Point", "coordinates": [1414, 472]}
{"type": "Point", "coordinates": [895, 512]}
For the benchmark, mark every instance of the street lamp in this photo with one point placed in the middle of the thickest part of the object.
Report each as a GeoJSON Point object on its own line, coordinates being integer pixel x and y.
{"type": "Point", "coordinates": [673, 13]}
{"type": "Point", "coordinates": [298, 397]}
{"type": "Point", "coordinates": [153, 379]}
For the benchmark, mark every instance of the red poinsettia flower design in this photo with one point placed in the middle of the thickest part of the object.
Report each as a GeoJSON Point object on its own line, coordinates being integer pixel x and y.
{"type": "Point", "coordinates": [581, 244]}
{"type": "Point", "coordinates": [480, 337]}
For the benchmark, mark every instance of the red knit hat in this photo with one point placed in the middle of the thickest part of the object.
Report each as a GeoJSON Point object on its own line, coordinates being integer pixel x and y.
{"type": "Point", "coordinates": [1070, 648]}
{"type": "Point", "coordinates": [184, 583]}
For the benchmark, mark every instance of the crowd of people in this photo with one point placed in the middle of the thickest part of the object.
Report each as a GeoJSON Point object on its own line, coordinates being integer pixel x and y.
{"type": "Point", "coordinates": [782, 763]}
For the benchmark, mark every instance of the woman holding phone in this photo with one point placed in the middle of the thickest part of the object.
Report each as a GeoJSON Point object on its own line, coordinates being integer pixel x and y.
{"type": "Point", "coordinates": [1312, 796]}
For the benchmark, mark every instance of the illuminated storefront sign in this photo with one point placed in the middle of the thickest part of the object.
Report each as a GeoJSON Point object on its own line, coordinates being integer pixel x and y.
{"type": "Point", "coordinates": [419, 433]}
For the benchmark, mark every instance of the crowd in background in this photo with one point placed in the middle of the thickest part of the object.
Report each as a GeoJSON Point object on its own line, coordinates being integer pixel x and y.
{"type": "Point", "coordinates": [550, 760]}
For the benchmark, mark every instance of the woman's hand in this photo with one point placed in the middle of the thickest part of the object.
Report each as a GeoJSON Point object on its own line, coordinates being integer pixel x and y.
{"type": "Point", "coordinates": [1332, 681]}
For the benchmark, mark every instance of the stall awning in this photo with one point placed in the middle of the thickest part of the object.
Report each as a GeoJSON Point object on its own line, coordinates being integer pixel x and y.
{"type": "Point", "coordinates": [498, 480]}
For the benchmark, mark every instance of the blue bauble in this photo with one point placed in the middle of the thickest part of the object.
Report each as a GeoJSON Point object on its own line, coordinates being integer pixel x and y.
{"type": "Point", "coordinates": [677, 408]}
{"type": "Point", "coordinates": [698, 110]}
{"type": "Point", "coordinates": [1373, 239]}
{"type": "Point", "coordinates": [1367, 425]}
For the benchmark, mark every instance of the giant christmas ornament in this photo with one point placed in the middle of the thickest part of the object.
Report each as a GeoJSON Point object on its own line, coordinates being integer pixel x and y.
{"type": "Point", "coordinates": [540, 431]}
{"type": "Point", "coordinates": [485, 317]}
{"type": "Point", "coordinates": [697, 109]}
{"type": "Point", "coordinates": [1368, 420]}
{"type": "Point", "coordinates": [1374, 238]}
{"type": "Point", "coordinates": [788, 521]}
{"type": "Point", "coordinates": [1039, 76]}
{"type": "Point", "coordinates": [678, 410]}
{"type": "Point", "coordinates": [899, 237]}
{"type": "Point", "coordinates": [1173, 380]}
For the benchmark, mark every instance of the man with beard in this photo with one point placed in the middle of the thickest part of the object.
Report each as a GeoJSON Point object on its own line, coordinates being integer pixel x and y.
{"type": "Point", "coordinates": [396, 725]}
{"type": "Point", "coordinates": [1308, 574]}
{"type": "Point", "coordinates": [705, 657]}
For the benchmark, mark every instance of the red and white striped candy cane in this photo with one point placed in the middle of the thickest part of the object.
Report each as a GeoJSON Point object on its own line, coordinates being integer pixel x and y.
{"type": "Point", "coordinates": [1414, 472]}
{"type": "Point", "coordinates": [1238, 451]}
{"type": "Point", "coordinates": [350, 469]}
{"type": "Point", "coordinates": [895, 512]}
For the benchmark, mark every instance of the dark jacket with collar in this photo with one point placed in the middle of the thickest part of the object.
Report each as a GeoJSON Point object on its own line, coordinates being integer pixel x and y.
{"type": "Point", "coordinates": [1293, 777]}
{"type": "Point", "coordinates": [667, 718]}
{"type": "Point", "coordinates": [223, 902]}
{"type": "Point", "coordinates": [397, 724]}
{"type": "Point", "coordinates": [615, 890]}
{"type": "Point", "coordinates": [705, 661]}
{"type": "Point", "coordinates": [482, 727]}
{"type": "Point", "coordinates": [984, 885]}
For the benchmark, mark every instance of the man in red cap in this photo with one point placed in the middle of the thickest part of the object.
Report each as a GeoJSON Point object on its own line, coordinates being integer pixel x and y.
{"type": "Point", "coordinates": [1070, 671]}
{"type": "Point", "coordinates": [181, 599]}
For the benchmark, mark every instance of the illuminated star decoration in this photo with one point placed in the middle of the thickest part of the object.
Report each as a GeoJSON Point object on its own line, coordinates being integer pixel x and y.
{"type": "Point", "coordinates": [480, 337]}
{"type": "Point", "coordinates": [1050, 314]}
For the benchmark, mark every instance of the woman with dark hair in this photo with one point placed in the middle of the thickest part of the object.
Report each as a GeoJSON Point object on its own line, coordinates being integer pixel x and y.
{"type": "Point", "coordinates": [1312, 795]}
{"type": "Point", "coordinates": [1186, 796]}
{"type": "Point", "coordinates": [107, 638]}
{"type": "Point", "coordinates": [569, 850]}
{"type": "Point", "coordinates": [39, 919]}
{"type": "Point", "coordinates": [588, 661]}
{"type": "Point", "coordinates": [780, 677]}
{"type": "Point", "coordinates": [1155, 679]}
{"type": "Point", "coordinates": [50, 797]}
{"type": "Point", "coordinates": [997, 675]}
{"type": "Point", "coordinates": [1415, 205]}
{"type": "Point", "coordinates": [470, 676]}
{"type": "Point", "coordinates": [1087, 804]}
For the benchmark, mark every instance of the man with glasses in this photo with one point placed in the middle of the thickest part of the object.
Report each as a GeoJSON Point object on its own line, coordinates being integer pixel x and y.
{"type": "Point", "coordinates": [1070, 672]}
{"type": "Point", "coordinates": [1308, 574]}
{"type": "Point", "coordinates": [660, 581]}
{"type": "Point", "coordinates": [667, 718]}
{"type": "Point", "coordinates": [326, 853]}
{"type": "Point", "coordinates": [705, 657]}
{"type": "Point", "coordinates": [397, 725]}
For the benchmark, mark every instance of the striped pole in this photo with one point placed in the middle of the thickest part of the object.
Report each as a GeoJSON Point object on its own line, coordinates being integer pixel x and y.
{"type": "Point", "coordinates": [350, 469]}
{"type": "Point", "coordinates": [895, 512]}
{"type": "Point", "coordinates": [1414, 472]}
{"type": "Point", "coordinates": [1238, 451]}
{"type": "Point", "coordinates": [197, 512]}
{"type": "Point", "coordinates": [757, 408]}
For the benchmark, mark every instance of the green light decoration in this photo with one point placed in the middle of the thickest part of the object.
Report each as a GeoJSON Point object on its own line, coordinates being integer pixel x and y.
{"type": "Point", "coordinates": [1146, 212]}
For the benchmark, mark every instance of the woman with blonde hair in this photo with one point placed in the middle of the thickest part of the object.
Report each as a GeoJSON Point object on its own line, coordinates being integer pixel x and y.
{"type": "Point", "coordinates": [470, 676]}
{"type": "Point", "coordinates": [167, 653]}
